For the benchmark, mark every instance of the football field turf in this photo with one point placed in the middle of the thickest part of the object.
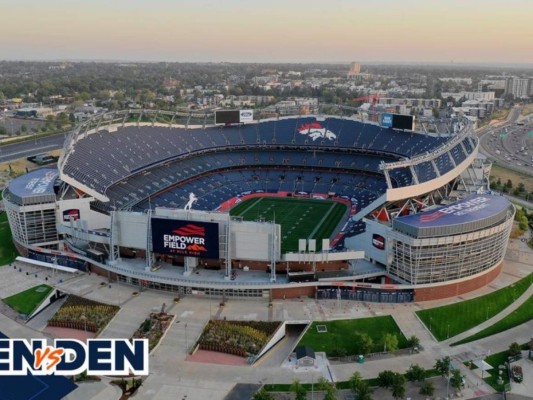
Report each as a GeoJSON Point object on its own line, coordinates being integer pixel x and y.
{"type": "Point", "coordinates": [299, 218]}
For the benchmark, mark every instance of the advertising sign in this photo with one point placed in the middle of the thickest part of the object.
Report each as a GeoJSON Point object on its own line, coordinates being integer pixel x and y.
{"type": "Point", "coordinates": [386, 120]}
{"type": "Point", "coordinates": [378, 241]}
{"type": "Point", "coordinates": [185, 238]}
{"type": "Point", "coordinates": [246, 116]}
{"type": "Point", "coordinates": [73, 214]}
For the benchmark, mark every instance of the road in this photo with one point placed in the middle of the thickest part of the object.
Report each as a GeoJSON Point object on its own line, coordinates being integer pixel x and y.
{"type": "Point", "coordinates": [10, 152]}
{"type": "Point", "coordinates": [509, 144]}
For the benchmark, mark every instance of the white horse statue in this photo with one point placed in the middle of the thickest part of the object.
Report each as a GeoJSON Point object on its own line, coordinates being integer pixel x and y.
{"type": "Point", "coordinates": [192, 199]}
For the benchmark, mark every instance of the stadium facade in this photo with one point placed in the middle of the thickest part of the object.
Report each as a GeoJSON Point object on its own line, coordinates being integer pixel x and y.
{"type": "Point", "coordinates": [421, 221]}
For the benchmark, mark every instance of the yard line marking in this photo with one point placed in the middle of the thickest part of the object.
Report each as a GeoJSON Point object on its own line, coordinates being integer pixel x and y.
{"type": "Point", "coordinates": [251, 206]}
{"type": "Point", "coordinates": [321, 221]}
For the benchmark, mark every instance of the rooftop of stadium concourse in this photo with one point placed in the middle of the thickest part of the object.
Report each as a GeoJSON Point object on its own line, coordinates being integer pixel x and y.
{"type": "Point", "coordinates": [100, 159]}
{"type": "Point", "coordinates": [168, 273]}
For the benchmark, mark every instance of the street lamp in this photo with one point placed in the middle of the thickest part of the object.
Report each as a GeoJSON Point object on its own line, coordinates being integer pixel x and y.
{"type": "Point", "coordinates": [84, 319]}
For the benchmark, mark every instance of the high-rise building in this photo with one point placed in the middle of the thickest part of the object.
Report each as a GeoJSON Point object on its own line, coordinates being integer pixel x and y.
{"type": "Point", "coordinates": [518, 87]}
{"type": "Point", "coordinates": [355, 69]}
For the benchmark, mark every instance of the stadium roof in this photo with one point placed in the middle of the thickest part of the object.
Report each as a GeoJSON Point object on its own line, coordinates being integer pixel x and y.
{"type": "Point", "coordinates": [472, 213]}
{"type": "Point", "coordinates": [35, 183]}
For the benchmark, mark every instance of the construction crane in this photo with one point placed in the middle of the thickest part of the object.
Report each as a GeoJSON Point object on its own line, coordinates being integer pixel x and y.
{"type": "Point", "coordinates": [373, 99]}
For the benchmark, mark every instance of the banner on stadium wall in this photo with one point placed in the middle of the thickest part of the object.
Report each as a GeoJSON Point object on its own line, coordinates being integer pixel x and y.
{"type": "Point", "coordinates": [378, 241]}
{"type": "Point", "coordinates": [73, 214]}
{"type": "Point", "coordinates": [185, 238]}
{"type": "Point", "coordinates": [386, 120]}
{"type": "Point", "coordinates": [246, 116]}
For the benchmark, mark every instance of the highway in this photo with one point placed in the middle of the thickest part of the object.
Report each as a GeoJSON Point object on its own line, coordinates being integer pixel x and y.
{"type": "Point", "coordinates": [11, 152]}
{"type": "Point", "coordinates": [509, 144]}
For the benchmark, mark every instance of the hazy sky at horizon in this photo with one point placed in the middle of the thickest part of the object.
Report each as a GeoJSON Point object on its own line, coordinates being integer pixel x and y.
{"type": "Point", "coordinates": [480, 31]}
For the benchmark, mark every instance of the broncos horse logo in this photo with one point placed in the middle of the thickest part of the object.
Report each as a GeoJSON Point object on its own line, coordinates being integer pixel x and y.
{"type": "Point", "coordinates": [315, 131]}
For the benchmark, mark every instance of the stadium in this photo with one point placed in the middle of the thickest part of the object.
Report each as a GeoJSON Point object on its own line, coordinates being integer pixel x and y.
{"type": "Point", "coordinates": [323, 206]}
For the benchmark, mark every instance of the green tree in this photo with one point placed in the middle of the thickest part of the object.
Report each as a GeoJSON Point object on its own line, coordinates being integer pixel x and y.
{"type": "Point", "coordinates": [427, 388]}
{"type": "Point", "coordinates": [443, 366]}
{"type": "Point", "coordinates": [300, 393]}
{"type": "Point", "coordinates": [521, 188]}
{"type": "Point", "coordinates": [354, 381]}
{"type": "Point", "coordinates": [364, 392]}
{"type": "Point", "coordinates": [413, 342]}
{"type": "Point", "coordinates": [390, 342]}
{"type": "Point", "coordinates": [398, 386]}
{"type": "Point", "coordinates": [262, 394]}
{"type": "Point", "coordinates": [514, 349]}
{"type": "Point", "coordinates": [364, 343]}
{"type": "Point", "coordinates": [523, 223]}
{"type": "Point", "coordinates": [3, 130]}
{"type": "Point", "coordinates": [509, 184]}
{"type": "Point", "coordinates": [23, 128]}
{"type": "Point", "coordinates": [385, 379]}
{"type": "Point", "coordinates": [359, 387]}
{"type": "Point", "coordinates": [456, 380]}
{"type": "Point", "coordinates": [329, 389]}
{"type": "Point", "coordinates": [415, 373]}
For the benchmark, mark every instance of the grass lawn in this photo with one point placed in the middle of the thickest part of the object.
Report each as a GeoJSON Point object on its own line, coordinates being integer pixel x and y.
{"type": "Point", "coordinates": [499, 171]}
{"type": "Point", "coordinates": [8, 252]}
{"type": "Point", "coordinates": [27, 301]}
{"type": "Point", "coordinates": [340, 335]}
{"type": "Point", "coordinates": [459, 317]}
{"type": "Point", "coordinates": [299, 218]}
{"type": "Point", "coordinates": [521, 315]}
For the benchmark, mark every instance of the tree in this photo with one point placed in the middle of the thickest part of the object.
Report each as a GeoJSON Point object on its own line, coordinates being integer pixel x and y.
{"type": "Point", "coordinates": [390, 342]}
{"type": "Point", "coordinates": [427, 388]}
{"type": "Point", "coordinates": [359, 387]}
{"type": "Point", "coordinates": [329, 388]}
{"type": "Point", "coordinates": [398, 386]}
{"type": "Point", "coordinates": [354, 381]}
{"type": "Point", "coordinates": [443, 366]}
{"type": "Point", "coordinates": [515, 349]}
{"type": "Point", "coordinates": [415, 373]}
{"type": "Point", "coordinates": [364, 392]}
{"type": "Point", "coordinates": [385, 379]}
{"type": "Point", "coordinates": [509, 184]}
{"type": "Point", "coordinates": [300, 393]}
{"type": "Point", "coordinates": [523, 223]}
{"type": "Point", "coordinates": [456, 379]}
{"type": "Point", "coordinates": [364, 343]}
{"type": "Point", "coordinates": [413, 342]}
{"type": "Point", "coordinates": [3, 130]}
{"type": "Point", "coordinates": [262, 394]}
{"type": "Point", "coordinates": [23, 128]}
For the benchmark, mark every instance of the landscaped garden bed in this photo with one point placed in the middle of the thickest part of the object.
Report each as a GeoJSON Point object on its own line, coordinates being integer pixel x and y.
{"type": "Point", "coordinates": [83, 314]}
{"type": "Point", "coordinates": [239, 338]}
{"type": "Point", "coordinates": [153, 328]}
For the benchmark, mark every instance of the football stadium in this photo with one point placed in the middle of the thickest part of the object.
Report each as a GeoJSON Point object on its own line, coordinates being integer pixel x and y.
{"type": "Point", "coordinates": [241, 204]}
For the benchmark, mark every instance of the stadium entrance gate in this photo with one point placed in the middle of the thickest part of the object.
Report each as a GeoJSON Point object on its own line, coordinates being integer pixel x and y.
{"type": "Point", "coordinates": [371, 295]}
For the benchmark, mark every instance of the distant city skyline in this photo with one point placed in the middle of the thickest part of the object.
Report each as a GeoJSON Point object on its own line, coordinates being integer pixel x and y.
{"type": "Point", "coordinates": [417, 31]}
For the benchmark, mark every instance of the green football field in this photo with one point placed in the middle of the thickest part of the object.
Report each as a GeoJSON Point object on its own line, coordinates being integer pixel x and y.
{"type": "Point", "coordinates": [299, 218]}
